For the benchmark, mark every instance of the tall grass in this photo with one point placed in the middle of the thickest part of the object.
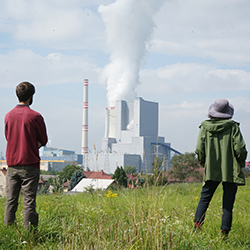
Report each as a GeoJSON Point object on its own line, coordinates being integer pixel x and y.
{"type": "Point", "coordinates": [146, 218]}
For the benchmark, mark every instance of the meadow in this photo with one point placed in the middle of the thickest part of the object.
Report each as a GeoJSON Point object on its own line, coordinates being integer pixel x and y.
{"type": "Point", "coordinates": [144, 218]}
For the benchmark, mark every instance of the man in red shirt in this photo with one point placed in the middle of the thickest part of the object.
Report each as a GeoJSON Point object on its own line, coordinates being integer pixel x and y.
{"type": "Point", "coordinates": [25, 132]}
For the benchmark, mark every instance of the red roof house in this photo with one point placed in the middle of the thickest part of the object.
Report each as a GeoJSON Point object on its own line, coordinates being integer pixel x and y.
{"type": "Point", "coordinates": [89, 175]}
{"type": "Point", "coordinates": [131, 180]}
{"type": "Point", "coordinates": [96, 175]}
{"type": "Point", "coordinates": [132, 177]}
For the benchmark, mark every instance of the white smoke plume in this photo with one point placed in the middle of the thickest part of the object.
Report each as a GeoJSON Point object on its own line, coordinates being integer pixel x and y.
{"type": "Point", "coordinates": [129, 25]}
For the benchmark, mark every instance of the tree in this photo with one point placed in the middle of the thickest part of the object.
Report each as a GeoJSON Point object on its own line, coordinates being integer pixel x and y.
{"type": "Point", "coordinates": [185, 166]}
{"type": "Point", "coordinates": [57, 185]}
{"type": "Point", "coordinates": [129, 169]}
{"type": "Point", "coordinates": [68, 171]}
{"type": "Point", "coordinates": [120, 176]}
{"type": "Point", "coordinates": [45, 189]}
{"type": "Point", "coordinates": [52, 172]}
{"type": "Point", "coordinates": [75, 179]}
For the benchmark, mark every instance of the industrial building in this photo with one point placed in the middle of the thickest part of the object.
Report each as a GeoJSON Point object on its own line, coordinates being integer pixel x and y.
{"type": "Point", "coordinates": [56, 159]}
{"type": "Point", "coordinates": [131, 138]}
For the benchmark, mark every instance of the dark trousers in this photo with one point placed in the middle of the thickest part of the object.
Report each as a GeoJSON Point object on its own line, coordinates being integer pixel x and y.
{"type": "Point", "coordinates": [27, 178]}
{"type": "Point", "coordinates": [229, 192]}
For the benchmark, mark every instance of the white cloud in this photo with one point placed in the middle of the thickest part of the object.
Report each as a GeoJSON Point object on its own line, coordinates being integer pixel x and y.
{"type": "Point", "coordinates": [56, 24]}
{"type": "Point", "coordinates": [183, 77]}
{"type": "Point", "coordinates": [205, 29]}
{"type": "Point", "coordinates": [186, 105]}
{"type": "Point", "coordinates": [179, 124]}
{"type": "Point", "coordinates": [54, 68]}
{"type": "Point", "coordinates": [211, 30]}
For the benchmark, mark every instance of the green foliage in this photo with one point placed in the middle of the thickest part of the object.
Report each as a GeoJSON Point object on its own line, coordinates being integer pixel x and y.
{"type": "Point", "coordinates": [52, 172]}
{"type": "Point", "coordinates": [68, 171]}
{"type": "Point", "coordinates": [129, 169]}
{"type": "Point", "coordinates": [53, 185]}
{"type": "Point", "coordinates": [57, 184]}
{"type": "Point", "coordinates": [45, 189]}
{"type": "Point", "coordinates": [145, 218]}
{"type": "Point", "coordinates": [120, 176]}
{"type": "Point", "coordinates": [185, 166]}
{"type": "Point", "coordinates": [75, 179]}
{"type": "Point", "coordinates": [141, 179]}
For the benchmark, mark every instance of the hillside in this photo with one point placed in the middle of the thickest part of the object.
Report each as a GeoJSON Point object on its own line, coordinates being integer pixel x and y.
{"type": "Point", "coordinates": [148, 218]}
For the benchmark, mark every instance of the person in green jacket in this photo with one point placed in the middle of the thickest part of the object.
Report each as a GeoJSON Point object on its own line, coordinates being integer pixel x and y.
{"type": "Point", "coordinates": [221, 150]}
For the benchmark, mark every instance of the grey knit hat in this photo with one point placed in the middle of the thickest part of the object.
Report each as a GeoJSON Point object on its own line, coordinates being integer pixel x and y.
{"type": "Point", "coordinates": [221, 108]}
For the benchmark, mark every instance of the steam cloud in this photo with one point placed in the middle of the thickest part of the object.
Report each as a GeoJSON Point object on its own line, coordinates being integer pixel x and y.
{"type": "Point", "coordinates": [129, 25]}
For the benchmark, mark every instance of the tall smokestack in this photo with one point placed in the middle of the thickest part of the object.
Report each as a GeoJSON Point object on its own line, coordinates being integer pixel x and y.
{"type": "Point", "coordinates": [85, 124]}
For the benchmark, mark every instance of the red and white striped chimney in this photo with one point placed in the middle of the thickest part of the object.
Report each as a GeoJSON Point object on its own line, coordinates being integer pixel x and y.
{"type": "Point", "coordinates": [85, 123]}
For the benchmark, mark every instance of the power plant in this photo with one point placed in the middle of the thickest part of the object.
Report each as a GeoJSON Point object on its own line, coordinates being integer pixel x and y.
{"type": "Point", "coordinates": [131, 138]}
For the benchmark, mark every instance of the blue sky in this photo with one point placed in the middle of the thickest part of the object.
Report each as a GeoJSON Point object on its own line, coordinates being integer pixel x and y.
{"type": "Point", "coordinates": [195, 52]}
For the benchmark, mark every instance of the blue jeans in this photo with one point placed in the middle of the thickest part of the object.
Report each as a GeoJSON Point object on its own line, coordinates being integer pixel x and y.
{"type": "Point", "coordinates": [27, 178]}
{"type": "Point", "coordinates": [229, 192]}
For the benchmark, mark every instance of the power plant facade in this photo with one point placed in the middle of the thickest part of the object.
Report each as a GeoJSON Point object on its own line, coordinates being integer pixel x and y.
{"type": "Point", "coordinates": [131, 138]}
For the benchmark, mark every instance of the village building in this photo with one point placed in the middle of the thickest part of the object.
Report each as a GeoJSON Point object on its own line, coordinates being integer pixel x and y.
{"type": "Point", "coordinates": [3, 173]}
{"type": "Point", "coordinates": [94, 179]}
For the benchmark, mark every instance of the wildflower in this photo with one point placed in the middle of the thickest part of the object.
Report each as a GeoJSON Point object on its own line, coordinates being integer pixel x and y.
{"type": "Point", "coordinates": [196, 197]}
{"type": "Point", "coordinates": [110, 194]}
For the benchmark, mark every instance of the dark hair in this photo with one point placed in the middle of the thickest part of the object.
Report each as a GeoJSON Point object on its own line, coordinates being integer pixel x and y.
{"type": "Point", "coordinates": [24, 91]}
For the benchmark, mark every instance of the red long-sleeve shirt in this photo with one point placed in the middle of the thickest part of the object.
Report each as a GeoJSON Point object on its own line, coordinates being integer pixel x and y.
{"type": "Point", "coordinates": [24, 128]}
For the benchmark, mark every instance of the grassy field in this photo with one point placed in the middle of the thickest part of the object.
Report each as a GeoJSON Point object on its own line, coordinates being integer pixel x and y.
{"type": "Point", "coordinates": [146, 218]}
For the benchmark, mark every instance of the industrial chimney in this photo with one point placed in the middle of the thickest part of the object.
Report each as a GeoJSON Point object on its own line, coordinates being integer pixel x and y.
{"type": "Point", "coordinates": [85, 124]}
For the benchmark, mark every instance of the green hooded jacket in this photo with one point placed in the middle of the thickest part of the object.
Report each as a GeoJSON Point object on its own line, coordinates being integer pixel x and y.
{"type": "Point", "coordinates": [222, 151]}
